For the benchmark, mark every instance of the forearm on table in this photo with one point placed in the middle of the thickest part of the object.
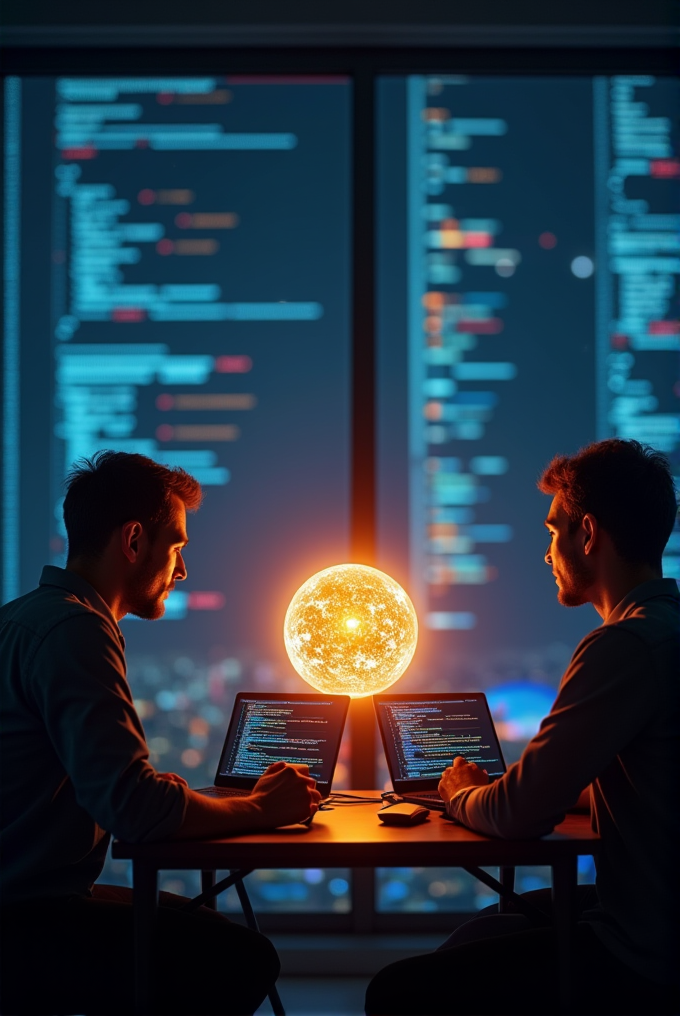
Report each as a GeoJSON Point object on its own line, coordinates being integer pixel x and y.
{"type": "Point", "coordinates": [453, 809]}
{"type": "Point", "coordinates": [506, 819]}
{"type": "Point", "coordinates": [598, 706]}
{"type": "Point", "coordinates": [212, 818]}
{"type": "Point", "coordinates": [506, 809]}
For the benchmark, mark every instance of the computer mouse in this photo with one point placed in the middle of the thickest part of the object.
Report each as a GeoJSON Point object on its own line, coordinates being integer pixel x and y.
{"type": "Point", "coordinates": [404, 814]}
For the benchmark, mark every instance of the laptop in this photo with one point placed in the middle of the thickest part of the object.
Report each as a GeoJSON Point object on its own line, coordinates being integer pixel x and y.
{"type": "Point", "coordinates": [422, 734]}
{"type": "Point", "coordinates": [266, 728]}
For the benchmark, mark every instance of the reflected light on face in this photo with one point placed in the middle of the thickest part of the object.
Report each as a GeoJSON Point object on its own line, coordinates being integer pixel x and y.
{"type": "Point", "coordinates": [161, 567]}
{"type": "Point", "coordinates": [572, 572]}
{"type": "Point", "coordinates": [350, 630]}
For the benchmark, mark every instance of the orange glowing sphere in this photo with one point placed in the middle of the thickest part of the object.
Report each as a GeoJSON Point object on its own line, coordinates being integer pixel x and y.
{"type": "Point", "coordinates": [350, 630]}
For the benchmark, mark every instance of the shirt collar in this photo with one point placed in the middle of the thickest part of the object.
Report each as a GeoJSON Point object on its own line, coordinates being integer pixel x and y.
{"type": "Point", "coordinates": [81, 588]}
{"type": "Point", "coordinates": [645, 591]}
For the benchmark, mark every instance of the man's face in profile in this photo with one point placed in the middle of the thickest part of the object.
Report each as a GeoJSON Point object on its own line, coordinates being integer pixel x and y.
{"type": "Point", "coordinates": [159, 568]}
{"type": "Point", "coordinates": [570, 566]}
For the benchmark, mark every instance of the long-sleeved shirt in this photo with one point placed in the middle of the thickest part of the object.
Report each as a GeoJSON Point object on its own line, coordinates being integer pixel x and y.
{"type": "Point", "coordinates": [74, 764]}
{"type": "Point", "coordinates": [615, 726]}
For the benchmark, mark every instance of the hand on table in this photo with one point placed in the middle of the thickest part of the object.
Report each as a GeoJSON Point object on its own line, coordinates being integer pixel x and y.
{"type": "Point", "coordinates": [460, 776]}
{"type": "Point", "coordinates": [284, 794]}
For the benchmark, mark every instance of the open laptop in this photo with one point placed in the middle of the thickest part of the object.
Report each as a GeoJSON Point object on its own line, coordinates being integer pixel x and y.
{"type": "Point", "coordinates": [266, 728]}
{"type": "Point", "coordinates": [422, 734]}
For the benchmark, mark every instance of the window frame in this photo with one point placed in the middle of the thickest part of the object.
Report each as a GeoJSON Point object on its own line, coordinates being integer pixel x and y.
{"type": "Point", "coordinates": [488, 53]}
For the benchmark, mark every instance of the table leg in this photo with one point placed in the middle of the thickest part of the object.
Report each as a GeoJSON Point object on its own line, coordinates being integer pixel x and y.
{"type": "Point", "coordinates": [507, 880]}
{"type": "Point", "coordinates": [144, 904]}
{"type": "Point", "coordinates": [207, 882]}
{"type": "Point", "coordinates": [251, 921]}
{"type": "Point", "coordinates": [363, 900]}
{"type": "Point", "coordinates": [564, 896]}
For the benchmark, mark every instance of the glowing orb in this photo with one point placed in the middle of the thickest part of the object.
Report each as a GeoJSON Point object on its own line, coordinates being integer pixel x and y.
{"type": "Point", "coordinates": [350, 630]}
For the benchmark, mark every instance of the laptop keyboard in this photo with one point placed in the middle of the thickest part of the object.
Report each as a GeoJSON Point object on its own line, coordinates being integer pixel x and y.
{"type": "Point", "coordinates": [430, 798]}
{"type": "Point", "coordinates": [223, 792]}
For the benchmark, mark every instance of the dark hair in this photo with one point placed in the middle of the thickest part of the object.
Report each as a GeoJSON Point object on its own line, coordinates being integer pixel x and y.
{"type": "Point", "coordinates": [112, 488]}
{"type": "Point", "coordinates": [628, 488]}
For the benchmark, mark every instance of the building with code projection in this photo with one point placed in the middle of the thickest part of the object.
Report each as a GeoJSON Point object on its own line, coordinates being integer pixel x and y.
{"type": "Point", "coordinates": [363, 279]}
{"type": "Point", "coordinates": [539, 251]}
{"type": "Point", "coordinates": [197, 303]}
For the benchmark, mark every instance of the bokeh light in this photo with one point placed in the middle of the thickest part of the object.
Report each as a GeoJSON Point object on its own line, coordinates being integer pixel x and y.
{"type": "Point", "coordinates": [505, 267]}
{"type": "Point", "coordinates": [518, 708]}
{"type": "Point", "coordinates": [582, 267]}
{"type": "Point", "coordinates": [350, 630]}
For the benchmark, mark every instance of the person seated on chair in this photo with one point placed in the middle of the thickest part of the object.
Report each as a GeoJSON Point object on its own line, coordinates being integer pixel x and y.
{"type": "Point", "coordinates": [74, 768]}
{"type": "Point", "coordinates": [612, 737]}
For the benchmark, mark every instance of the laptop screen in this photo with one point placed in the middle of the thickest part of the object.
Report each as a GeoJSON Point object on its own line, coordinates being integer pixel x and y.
{"type": "Point", "coordinates": [282, 728]}
{"type": "Point", "coordinates": [422, 734]}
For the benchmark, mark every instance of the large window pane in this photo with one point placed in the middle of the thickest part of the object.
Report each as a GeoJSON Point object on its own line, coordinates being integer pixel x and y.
{"type": "Point", "coordinates": [527, 285]}
{"type": "Point", "coordinates": [452, 890]}
{"type": "Point", "coordinates": [182, 253]}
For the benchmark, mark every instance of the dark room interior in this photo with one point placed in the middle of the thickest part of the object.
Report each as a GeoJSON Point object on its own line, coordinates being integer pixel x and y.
{"type": "Point", "coordinates": [362, 269]}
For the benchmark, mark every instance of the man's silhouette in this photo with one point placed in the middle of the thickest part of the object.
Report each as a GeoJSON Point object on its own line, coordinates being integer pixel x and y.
{"type": "Point", "coordinates": [74, 768]}
{"type": "Point", "coordinates": [613, 738]}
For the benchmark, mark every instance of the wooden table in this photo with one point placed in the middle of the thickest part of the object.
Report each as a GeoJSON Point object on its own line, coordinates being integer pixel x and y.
{"type": "Point", "coordinates": [353, 837]}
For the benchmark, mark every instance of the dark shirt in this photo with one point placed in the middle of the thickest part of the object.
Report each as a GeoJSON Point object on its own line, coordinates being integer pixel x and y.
{"type": "Point", "coordinates": [615, 726]}
{"type": "Point", "coordinates": [74, 764]}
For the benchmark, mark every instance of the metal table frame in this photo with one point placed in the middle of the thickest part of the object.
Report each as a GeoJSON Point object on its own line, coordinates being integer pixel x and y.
{"type": "Point", "coordinates": [354, 838]}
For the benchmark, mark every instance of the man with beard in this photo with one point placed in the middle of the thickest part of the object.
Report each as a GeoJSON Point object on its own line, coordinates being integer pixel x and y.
{"type": "Point", "coordinates": [74, 768]}
{"type": "Point", "coordinates": [612, 742]}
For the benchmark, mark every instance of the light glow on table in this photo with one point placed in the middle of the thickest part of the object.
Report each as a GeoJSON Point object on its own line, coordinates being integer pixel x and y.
{"type": "Point", "coordinates": [350, 630]}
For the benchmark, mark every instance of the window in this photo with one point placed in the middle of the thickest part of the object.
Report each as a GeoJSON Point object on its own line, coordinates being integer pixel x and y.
{"type": "Point", "coordinates": [183, 249]}
{"type": "Point", "coordinates": [527, 278]}
{"type": "Point", "coordinates": [189, 273]}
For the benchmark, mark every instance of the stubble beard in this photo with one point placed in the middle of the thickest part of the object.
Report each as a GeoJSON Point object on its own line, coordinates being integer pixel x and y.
{"type": "Point", "coordinates": [575, 578]}
{"type": "Point", "coordinates": [145, 598]}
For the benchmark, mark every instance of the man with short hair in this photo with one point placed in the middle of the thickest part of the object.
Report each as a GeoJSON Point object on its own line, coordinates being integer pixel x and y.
{"type": "Point", "coordinates": [74, 768]}
{"type": "Point", "coordinates": [611, 737]}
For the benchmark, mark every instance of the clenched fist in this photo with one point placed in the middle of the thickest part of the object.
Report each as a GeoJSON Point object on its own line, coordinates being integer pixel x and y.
{"type": "Point", "coordinates": [460, 776]}
{"type": "Point", "coordinates": [285, 794]}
